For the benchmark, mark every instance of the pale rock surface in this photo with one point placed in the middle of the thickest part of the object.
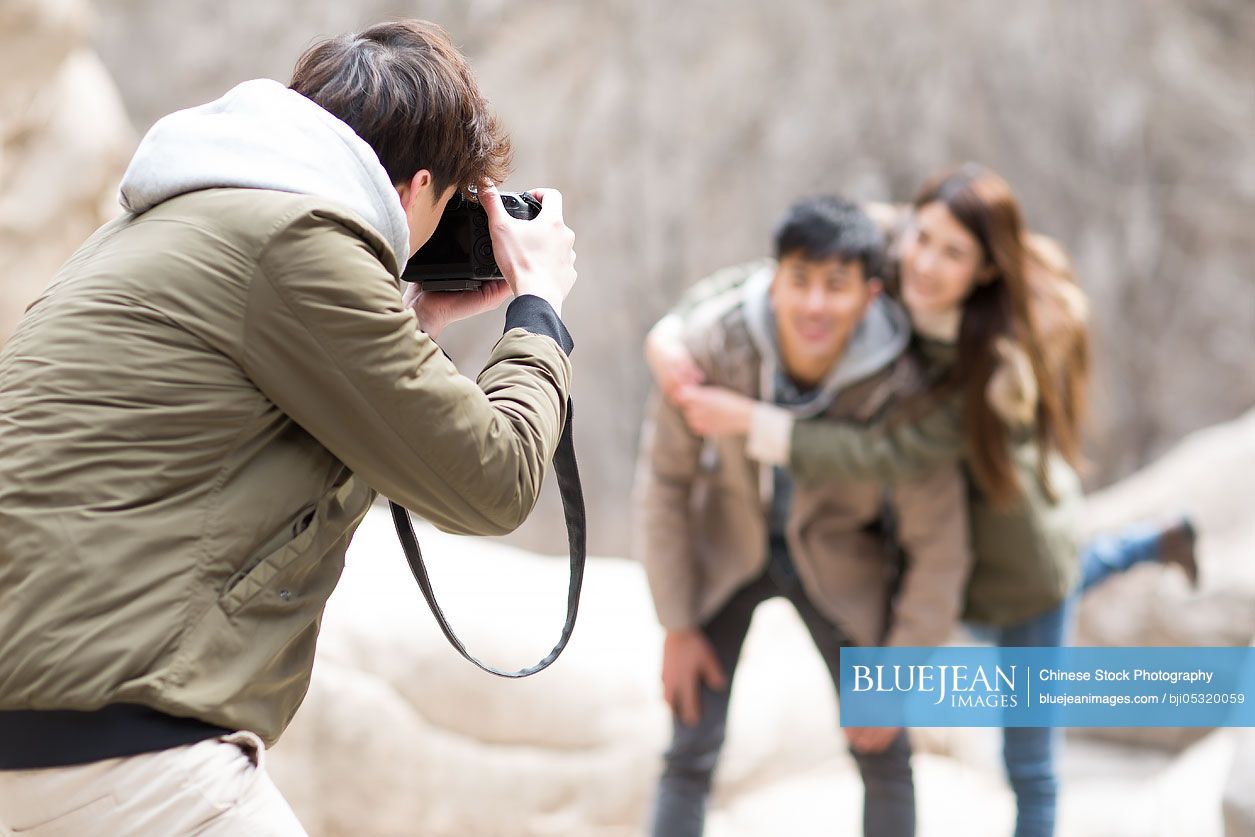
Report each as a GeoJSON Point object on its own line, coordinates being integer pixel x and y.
{"type": "Point", "coordinates": [64, 141]}
{"type": "Point", "coordinates": [1239, 791]}
{"type": "Point", "coordinates": [400, 736]}
{"type": "Point", "coordinates": [1209, 476]}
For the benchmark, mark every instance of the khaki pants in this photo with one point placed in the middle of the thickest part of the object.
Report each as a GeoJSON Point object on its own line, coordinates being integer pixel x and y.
{"type": "Point", "coordinates": [217, 787]}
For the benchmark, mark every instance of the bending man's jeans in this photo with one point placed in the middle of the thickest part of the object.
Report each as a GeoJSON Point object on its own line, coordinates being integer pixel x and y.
{"type": "Point", "coordinates": [680, 808]}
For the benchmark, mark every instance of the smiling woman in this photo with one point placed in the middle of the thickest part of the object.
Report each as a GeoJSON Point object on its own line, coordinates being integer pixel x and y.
{"type": "Point", "coordinates": [967, 259]}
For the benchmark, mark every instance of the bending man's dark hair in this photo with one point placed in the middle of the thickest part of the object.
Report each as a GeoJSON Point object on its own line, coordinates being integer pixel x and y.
{"type": "Point", "coordinates": [825, 227]}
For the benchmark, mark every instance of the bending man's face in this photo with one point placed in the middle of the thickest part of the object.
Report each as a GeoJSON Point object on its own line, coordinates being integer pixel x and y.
{"type": "Point", "coordinates": [818, 304]}
{"type": "Point", "coordinates": [423, 207]}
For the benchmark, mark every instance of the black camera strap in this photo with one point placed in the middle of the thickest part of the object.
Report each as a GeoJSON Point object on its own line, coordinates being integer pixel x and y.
{"type": "Point", "coordinates": [568, 475]}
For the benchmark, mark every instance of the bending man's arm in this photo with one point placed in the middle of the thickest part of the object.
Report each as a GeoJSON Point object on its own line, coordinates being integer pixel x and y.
{"type": "Point", "coordinates": [666, 471]}
{"type": "Point", "coordinates": [330, 343]}
{"type": "Point", "coordinates": [933, 532]}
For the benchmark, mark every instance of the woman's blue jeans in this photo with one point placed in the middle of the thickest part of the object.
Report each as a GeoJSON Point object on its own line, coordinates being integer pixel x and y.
{"type": "Point", "coordinates": [1029, 752]}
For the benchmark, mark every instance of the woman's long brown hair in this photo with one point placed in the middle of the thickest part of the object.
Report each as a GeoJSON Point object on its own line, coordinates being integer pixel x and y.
{"type": "Point", "coordinates": [1004, 305]}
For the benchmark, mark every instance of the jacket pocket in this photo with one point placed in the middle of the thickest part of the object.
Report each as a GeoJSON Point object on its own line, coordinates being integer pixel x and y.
{"type": "Point", "coordinates": [261, 574]}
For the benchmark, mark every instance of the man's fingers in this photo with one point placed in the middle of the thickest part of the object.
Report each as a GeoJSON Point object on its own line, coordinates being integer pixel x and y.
{"type": "Point", "coordinates": [690, 704]}
{"type": "Point", "coordinates": [495, 292]}
{"type": "Point", "coordinates": [490, 200]}
{"type": "Point", "coordinates": [871, 739]}
{"type": "Point", "coordinates": [884, 737]}
{"type": "Point", "coordinates": [550, 203]}
{"type": "Point", "coordinates": [672, 696]}
{"type": "Point", "coordinates": [712, 674]}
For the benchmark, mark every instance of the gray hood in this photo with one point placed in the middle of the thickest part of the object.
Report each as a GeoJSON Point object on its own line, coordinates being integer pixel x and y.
{"type": "Point", "coordinates": [261, 135]}
{"type": "Point", "coordinates": [878, 340]}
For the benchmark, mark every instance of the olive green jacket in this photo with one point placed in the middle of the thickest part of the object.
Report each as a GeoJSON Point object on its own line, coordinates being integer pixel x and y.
{"type": "Point", "coordinates": [194, 418]}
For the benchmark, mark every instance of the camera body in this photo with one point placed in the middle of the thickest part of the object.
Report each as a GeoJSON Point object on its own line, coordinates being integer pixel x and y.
{"type": "Point", "coordinates": [458, 256]}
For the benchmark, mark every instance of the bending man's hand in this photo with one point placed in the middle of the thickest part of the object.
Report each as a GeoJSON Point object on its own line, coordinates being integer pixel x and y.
{"type": "Point", "coordinates": [871, 739]}
{"type": "Point", "coordinates": [715, 411]}
{"type": "Point", "coordinates": [688, 660]}
{"type": "Point", "coordinates": [537, 256]}
{"type": "Point", "coordinates": [436, 309]}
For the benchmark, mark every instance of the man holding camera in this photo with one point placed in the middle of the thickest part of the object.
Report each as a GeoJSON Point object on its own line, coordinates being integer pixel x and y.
{"type": "Point", "coordinates": [199, 410]}
{"type": "Point", "coordinates": [720, 533]}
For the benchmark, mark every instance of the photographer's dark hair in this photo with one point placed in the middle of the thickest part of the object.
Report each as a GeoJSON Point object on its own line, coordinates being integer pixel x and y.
{"type": "Point", "coordinates": [410, 94]}
{"type": "Point", "coordinates": [821, 228]}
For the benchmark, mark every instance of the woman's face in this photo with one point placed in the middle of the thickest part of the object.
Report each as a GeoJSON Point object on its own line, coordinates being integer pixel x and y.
{"type": "Point", "coordinates": [941, 261]}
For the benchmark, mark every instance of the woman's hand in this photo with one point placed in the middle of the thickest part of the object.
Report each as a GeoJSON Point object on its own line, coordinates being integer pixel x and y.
{"type": "Point", "coordinates": [715, 411]}
{"type": "Point", "coordinates": [436, 309]}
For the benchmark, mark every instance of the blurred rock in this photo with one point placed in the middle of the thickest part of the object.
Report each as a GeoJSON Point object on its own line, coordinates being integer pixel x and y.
{"type": "Point", "coordinates": [399, 726]}
{"type": "Point", "coordinates": [1239, 798]}
{"type": "Point", "coordinates": [1238, 803]}
{"type": "Point", "coordinates": [400, 736]}
{"type": "Point", "coordinates": [64, 140]}
{"type": "Point", "coordinates": [1207, 476]}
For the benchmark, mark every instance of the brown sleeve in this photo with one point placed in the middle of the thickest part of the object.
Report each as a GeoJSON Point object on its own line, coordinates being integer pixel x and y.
{"type": "Point", "coordinates": [666, 472]}
{"type": "Point", "coordinates": [933, 531]}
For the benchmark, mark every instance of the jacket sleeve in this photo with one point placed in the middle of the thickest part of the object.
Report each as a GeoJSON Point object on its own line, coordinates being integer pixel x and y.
{"type": "Point", "coordinates": [328, 340]}
{"type": "Point", "coordinates": [666, 473]}
{"type": "Point", "coordinates": [889, 450]}
{"type": "Point", "coordinates": [933, 532]}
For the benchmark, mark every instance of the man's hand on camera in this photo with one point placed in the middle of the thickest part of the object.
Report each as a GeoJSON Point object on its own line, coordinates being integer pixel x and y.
{"type": "Point", "coordinates": [436, 309]}
{"type": "Point", "coordinates": [688, 660]}
{"type": "Point", "coordinates": [537, 256]}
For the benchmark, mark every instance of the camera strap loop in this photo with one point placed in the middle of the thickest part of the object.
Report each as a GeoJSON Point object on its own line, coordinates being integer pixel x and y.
{"type": "Point", "coordinates": [568, 474]}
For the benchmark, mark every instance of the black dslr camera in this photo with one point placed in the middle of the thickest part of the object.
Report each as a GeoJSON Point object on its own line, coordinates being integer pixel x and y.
{"type": "Point", "coordinates": [458, 257]}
